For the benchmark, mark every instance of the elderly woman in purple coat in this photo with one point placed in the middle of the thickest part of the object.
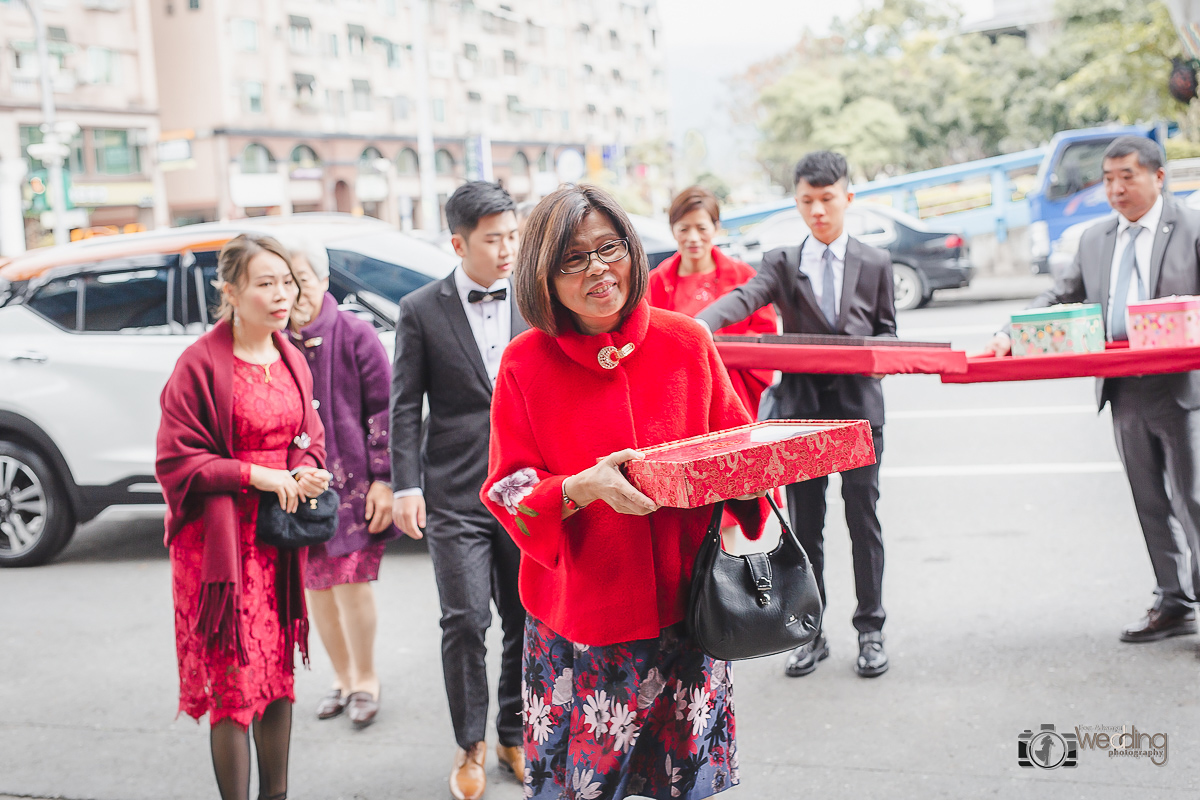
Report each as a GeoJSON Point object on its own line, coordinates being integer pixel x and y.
{"type": "Point", "coordinates": [351, 378]}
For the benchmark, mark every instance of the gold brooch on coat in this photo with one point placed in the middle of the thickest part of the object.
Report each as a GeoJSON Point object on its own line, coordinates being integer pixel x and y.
{"type": "Point", "coordinates": [610, 356]}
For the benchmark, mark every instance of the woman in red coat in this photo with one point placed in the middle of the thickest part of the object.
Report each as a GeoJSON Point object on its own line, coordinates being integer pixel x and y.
{"type": "Point", "coordinates": [700, 273]}
{"type": "Point", "coordinates": [237, 416]}
{"type": "Point", "coordinates": [619, 700]}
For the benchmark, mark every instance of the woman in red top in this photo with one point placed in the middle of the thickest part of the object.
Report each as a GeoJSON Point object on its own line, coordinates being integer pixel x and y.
{"type": "Point", "coordinates": [700, 273]}
{"type": "Point", "coordinates": [619, 700]}
{"type": "Point", "coordinates": [237, 415]}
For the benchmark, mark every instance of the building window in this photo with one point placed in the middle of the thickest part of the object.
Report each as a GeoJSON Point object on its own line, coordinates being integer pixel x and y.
{"type": "Point", "coordinates": [368, 162]}
{"type": "Point", "coordinates": [391, 52]}
{"type": "Point", "coordinates": [362, 95]}
{"type": "Point", "coordinates": [102, 66]}
{"type": "Point", "coordinates": [389, 7]}
{"type": "Point", "coordinates": [306, 87]}
{"type": "Point", "coordinates": [588, 73]}
{"type": "Point", "coordinates": [194, 5]}
{"type": "Point", "coordinates": [538, 119]}
{"type": "Point", "coordinates": [299, 33]}
{"type": "Point", "coordinates": [616, 75]}
{"type": "Point", "coordinates": [520, 163]}
{"type": "Point", "coordinates": [115, 153]}
{"type": "Point", "coordinates": [356, 40]}
{"type": "Point", "coordinates": [566, 120]}
{"type": "Point", "coordinates": [331, 45]}
{"type": "Point", "coordinates": [400, 106]}
{"type": "Point", "coordinates": [406, 162]}
{"type": "Point", "coordinates": [443, 162]}
{"type": "Point", "coordinates": [253, 92]}
{"type": "Point", "coordinates": [256, 159]}
{"type": "Point", "coordinates": [543, 162]}
{"type": "Point", "coordinates": [32, 134]}
{"type": "Point", "coordinates": [513, 104]}
{"type": "Point", "coordinates": [439, 110]}
{"type": "Point", "coordinates": [614, 40]}
{"type": "Point", "coordinates": [653, 38]}
{"type": "Point", "coordinates": [304, 157]}
{"type": "Point", "coordinates": [470, 52]}
{"type": "Point", "coordinates": [245, 35]}
{"type": "Point", "coordinates": [510, 62]}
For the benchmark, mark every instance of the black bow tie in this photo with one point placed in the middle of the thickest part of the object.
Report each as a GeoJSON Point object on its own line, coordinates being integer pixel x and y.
{"type": "Point", "coordinates": [476, 296]}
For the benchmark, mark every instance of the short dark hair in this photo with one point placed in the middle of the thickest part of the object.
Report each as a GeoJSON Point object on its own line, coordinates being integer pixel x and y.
{"type": "Point", "coordinates": [548, 234]}
{"type": "Point", "coordinates": [822, 168]}
{"type": "Point", "coordinates": [472, 202]}
{"type": "Point", "coordinates": [1149, 154]}
{"type": "Point", "coordinates": [689, 200]}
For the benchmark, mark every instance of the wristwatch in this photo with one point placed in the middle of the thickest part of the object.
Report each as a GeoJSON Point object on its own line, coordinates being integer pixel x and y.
{"type": "Point", "coordinates": [568, 502]}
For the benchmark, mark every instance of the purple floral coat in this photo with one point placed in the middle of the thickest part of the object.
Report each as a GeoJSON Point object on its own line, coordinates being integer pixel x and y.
{"type": "Point", "coordinates": [351, 381]}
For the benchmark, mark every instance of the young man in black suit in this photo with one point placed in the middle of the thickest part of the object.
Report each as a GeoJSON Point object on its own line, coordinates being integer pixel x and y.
{"type": "Point", "coordinates": [830, 284]}
{"type": "Point", "coordinates": [449, 339]}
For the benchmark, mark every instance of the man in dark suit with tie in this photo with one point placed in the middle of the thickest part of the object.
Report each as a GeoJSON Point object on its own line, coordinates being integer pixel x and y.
{"type": "Point", "coordinates": [449, 339]}
{"type": "Point", "coordinates": [1152, 249]}
{"type": "Point", "coordinates": [830, 284]}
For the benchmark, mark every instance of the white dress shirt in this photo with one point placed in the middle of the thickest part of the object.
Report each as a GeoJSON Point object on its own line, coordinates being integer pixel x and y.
{"type": "Point", "coordinates": [812, 264]}
{"type": "Point", "coordinates": [1142, 249]}
{"type": "Point", "coordinates": [491, 325]}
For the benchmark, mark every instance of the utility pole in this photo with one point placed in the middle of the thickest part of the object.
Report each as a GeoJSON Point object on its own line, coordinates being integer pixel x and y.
{"type": "Point", "coordinates": [431, 218]}
{"type": "Point", "coordinates": [52, 151]}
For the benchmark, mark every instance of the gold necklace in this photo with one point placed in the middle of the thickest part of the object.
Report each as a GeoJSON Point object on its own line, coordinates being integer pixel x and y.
{"type": "Point", "coordinates": [266, 368]}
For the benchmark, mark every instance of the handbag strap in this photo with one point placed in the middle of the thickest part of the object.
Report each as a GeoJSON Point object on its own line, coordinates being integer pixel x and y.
{"type": "Point", "coordinates": [784, 524]}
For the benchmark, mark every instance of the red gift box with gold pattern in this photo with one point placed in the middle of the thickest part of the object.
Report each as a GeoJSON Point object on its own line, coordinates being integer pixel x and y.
{"type": "Point", "coordinates": [719, 466]}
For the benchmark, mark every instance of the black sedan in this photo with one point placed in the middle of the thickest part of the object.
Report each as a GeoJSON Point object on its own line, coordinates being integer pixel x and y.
{"type": "Point", "coordinates": [924, 258]}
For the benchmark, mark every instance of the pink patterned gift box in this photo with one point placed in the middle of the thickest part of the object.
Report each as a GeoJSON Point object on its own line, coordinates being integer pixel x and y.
{"type": "Point", "coordinates": [1164, 322]}
{"type": "Point", "coordinates": [718, 466]}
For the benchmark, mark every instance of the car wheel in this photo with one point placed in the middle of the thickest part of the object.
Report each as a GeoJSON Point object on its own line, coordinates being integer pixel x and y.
{"type": "Point", "coordinates": [35, 518]}
{"type": "Point", "coordinates": [910, 289]}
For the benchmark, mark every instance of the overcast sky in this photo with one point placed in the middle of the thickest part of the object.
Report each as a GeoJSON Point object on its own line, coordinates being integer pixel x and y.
{"type": "Point", "coordinates": [710, 41]}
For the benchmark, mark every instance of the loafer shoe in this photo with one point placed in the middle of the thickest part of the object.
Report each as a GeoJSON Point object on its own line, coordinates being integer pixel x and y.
{"type": "Point", "coordinates": [512, 759]}
{"type": "Point", "coordinates": [362, 708]}
{"type": "Point", "coordinates": [468, 778]}
{"type": "Point", "coordinates": [331, 705]}
{"type": "Point", "coordinates": [804, 658]}
{"type": "Point", "coordinates": [1157, 625]}
{"type": "Point", "coordinates": [872, 660]}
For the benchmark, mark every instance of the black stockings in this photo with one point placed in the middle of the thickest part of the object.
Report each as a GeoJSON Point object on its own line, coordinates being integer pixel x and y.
{"type": "Point", "coordinates": [231, 754]}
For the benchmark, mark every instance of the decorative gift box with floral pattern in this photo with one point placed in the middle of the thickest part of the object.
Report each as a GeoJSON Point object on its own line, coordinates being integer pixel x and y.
{"type": "Point", "coordinates": [1164, 322]}
{"type": "Point", "coordinates": [719, 466]}
{"type": "Point", "coordinates": [1067, 328]}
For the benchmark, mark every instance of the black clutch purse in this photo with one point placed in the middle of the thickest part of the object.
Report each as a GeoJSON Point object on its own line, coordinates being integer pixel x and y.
{"type": "Point", "coordinates": [314, 521]}
{"type": "Point", "coordinates": [753, 605]}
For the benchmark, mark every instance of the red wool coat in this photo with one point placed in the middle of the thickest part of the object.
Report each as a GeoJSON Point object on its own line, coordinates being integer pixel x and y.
{"type": "Point", "coordinates": [600, 577]}
{"type": "Point", "coordinates": [730, 274]}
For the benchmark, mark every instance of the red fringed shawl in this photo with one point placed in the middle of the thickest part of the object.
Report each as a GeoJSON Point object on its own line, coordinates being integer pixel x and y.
{"type": "Point", "coordinates": [201, 479]}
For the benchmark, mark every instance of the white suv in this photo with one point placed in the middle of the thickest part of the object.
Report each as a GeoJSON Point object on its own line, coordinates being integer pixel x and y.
{"type": "Point", "coordinates": [89, 333]}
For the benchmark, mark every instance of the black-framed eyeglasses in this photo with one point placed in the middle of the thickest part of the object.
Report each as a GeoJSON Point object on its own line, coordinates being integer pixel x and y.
{"type": "Point", "coordinates": [607, 252]}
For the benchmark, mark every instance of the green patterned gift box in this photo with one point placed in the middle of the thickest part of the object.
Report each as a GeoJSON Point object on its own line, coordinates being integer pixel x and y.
{"type": "Point", "coordinates": [1069, 328]}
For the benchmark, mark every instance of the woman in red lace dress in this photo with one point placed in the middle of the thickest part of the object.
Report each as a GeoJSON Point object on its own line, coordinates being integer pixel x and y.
{"type": "Point", "coordinates": [237, 416]}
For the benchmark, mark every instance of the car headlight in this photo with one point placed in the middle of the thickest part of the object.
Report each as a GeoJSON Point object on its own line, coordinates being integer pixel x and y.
{"type": "Point", "coordinates": [1039, 240]}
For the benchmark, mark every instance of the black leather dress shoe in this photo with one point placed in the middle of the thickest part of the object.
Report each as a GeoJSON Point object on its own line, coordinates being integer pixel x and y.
{"type": "Point", "coordinates": [1157, 625]}
{"type": "Point", "coordinates": [872, 661]}
{"type": "Point", "coordinates": [804, 658]}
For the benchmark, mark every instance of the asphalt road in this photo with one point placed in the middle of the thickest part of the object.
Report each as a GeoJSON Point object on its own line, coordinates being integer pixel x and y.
{"type": "Point", "coordinates": [1014, 559]}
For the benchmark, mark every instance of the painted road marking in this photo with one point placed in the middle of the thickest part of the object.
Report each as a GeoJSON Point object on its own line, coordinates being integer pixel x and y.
{"type": "Point", "coordinates": [988, 470]}
{"type": "Point", "coordinates": [1006, 411]}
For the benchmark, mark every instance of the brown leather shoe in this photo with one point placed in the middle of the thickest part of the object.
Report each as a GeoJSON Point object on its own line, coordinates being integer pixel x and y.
{"type": "Point", "coordinates": [1156, 625]}
{"type": "Point", "coordinates": [512, 759]}
{"type": "Point", "coordinates": [331, 705]}
{"type": "Point", "coordinates": [468, 779]}
{"type": "Point", "coordinates": [363, 707]}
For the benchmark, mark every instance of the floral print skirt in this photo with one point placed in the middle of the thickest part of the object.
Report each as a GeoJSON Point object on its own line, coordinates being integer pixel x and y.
{"type": "Point", "coordinates": [650, 718]}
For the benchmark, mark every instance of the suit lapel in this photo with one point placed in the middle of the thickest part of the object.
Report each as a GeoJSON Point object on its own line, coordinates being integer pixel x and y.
{"type": "Point", "coordinates": [516, 323]}
{"type": "Point", "coordinates": [1107, 246]}
{"type": "Point", "coordinates": [849, 280]}
{"type": "Point", "coordinates": [805, 292]}
{"type": "Point", "coordinates": [456, 316]}
{"type": "Point", "coordinates": [1166, 226]}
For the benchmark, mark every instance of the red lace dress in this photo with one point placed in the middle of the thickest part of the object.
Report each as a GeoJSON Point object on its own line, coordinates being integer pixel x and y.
{"type": "Point", "coordinates": [266, 416]}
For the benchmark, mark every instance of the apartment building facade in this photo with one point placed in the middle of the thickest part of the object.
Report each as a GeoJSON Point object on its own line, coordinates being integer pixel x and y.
{"type": "Point", "coordinates": [102, 75]}
{"type": "Point", "coordinates": [278, 106]}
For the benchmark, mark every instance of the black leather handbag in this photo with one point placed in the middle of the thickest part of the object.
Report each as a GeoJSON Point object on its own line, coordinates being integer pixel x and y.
{"type": "Point", "coordinates": [757, 604]}
{"type": "Point", "coordinates": [314, 521]}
